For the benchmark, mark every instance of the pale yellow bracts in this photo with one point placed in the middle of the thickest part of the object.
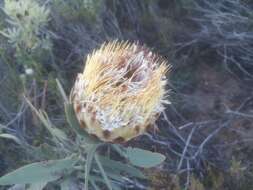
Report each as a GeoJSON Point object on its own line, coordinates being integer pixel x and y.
{"type": "Point", "coordinates": [121, 91]}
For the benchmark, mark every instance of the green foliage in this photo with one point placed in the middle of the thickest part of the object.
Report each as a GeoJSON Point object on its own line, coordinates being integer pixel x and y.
{"type": "Point", "coordinates": [11, 83]}
{"type": "Point", "coordinates": [27, 20]}
{"type": "Point", "coordinates": [90, 155]}
{"type": "Point", "coordinates": [40, 172]}
{"type": "Point", "coordinates": [144, 158]}
{"type": "Point", "coordinates": [118, 168]}
{"type": "Point", "coordinates": [103, 173]}
{"type": "Point", "coordinates": [26, 31]}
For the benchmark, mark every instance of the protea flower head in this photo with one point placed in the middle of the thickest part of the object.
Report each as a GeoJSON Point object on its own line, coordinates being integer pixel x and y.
{"type": "Point", "coordinates": [121, 91]}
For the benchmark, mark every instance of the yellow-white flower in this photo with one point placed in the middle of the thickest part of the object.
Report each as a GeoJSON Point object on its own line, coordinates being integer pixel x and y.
{"type": "Point", "coordinates": [121, 91]}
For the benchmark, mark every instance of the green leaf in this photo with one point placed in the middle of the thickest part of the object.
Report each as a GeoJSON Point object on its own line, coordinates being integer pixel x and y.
{"type": "Point", "coordinates": [144, 158]}
{"type": "Point", "coordinates": [104, 175]}
{"type": "Point", "coordinates": [90, 154]}
{"type": "Point", "coordinates": [64, 96]}
{"type": "Point", "coordinates": [9, 136]}
{"type": "Point", "coordinates": [38, 172]}
{"type": "Point", "coordinates": [72, 120]}
{"type": "Point", "coordinates": [119, 167]}
{"type": "Point", "coordinates": [52, 129]}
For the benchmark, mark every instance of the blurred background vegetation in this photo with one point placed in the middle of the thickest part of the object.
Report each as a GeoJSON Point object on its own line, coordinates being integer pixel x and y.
{"type": "Point", "coordinates": [207, 131]}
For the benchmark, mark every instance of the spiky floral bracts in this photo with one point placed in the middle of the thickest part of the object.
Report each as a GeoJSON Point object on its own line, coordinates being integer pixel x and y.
{"type": "Point", "coordinates": [121, 91]}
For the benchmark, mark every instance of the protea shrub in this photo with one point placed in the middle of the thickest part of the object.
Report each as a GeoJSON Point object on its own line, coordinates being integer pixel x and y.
{"type": "Point", "coordinates": [118, 96]}
{"type": "Point", "coordinates": [121, 91]}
